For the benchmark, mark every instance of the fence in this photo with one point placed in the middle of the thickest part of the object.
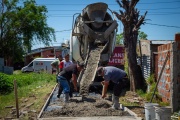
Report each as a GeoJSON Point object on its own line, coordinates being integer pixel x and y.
{"type": "Point", "coordinates": [5, 69]}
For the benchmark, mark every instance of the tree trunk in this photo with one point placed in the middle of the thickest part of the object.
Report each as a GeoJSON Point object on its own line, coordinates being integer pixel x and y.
{"type": "Point", "coordinates": [135, 74]}
{"type": "Point", "coordinates": [131, 21]}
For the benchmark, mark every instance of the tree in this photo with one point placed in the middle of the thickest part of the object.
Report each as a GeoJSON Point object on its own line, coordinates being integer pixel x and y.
{"type": "Point", "coordinates": [120, 38]}
{"type": "Point", "coordinates": [131, 22]}
{"type": "Point", "coordinates": [22, 27]}
{"type": "Point", "coordinates": [142, 35]}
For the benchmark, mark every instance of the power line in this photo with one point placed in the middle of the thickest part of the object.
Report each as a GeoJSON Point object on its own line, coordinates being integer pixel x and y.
{"type": "Point", "coordinates": [64, 30]}
{"type": "Point", "coordinates": [112, 4]}
{"type": "Point", "coordinates": [163, 25]}
{"type": "Point", "coordinates": [145, 23]}
{"type": "Point", "coordinates": [139, 9]}
{"type": "Point", "coordinates": [162, 8]}
{"type": "Point", "coordinates": [160, 2]}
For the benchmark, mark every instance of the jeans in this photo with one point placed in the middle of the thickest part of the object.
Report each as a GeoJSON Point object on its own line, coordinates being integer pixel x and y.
{"type": "Point", "coordinates": [118, 87]}
{"type": "Point", "coordinates": [64, 84]}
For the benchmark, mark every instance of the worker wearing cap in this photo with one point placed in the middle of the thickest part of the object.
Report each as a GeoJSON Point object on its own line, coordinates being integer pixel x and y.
{"type": "Point", "coordinates": [55, 63]}
{"type": "Point", "coordinates": [63, 64]}
{"type": "Point", "coordinates": [69, 73]}
{"type": "Point", "coordinates": [115, 75]}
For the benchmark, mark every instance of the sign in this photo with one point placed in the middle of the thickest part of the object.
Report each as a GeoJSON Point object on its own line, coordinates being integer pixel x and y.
{"type": "Point", "coordinates": [117, 57]}
{"type": "Point", "coordinates": [39, 63]}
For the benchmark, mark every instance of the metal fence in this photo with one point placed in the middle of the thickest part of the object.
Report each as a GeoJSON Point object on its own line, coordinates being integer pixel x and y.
{"type": "Point", "coordinates": [5, 69]}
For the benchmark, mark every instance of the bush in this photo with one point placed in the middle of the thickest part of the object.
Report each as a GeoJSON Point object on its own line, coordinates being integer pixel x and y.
{"type": "Point", "coordinates": [6, 84]}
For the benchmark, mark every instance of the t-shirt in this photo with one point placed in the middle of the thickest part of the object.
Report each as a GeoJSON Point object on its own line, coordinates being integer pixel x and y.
{"type": "Point", "coordinates": [63, 64]}
{"type": "Point", "coordinates": [68, 71]}
{"type": "Point", "coordinates": [114, 74]}
{"type": "Point", "coordinates": [56, 64]}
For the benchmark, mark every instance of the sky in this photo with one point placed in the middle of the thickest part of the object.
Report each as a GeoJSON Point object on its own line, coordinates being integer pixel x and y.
{"type": "Point", "coordinates": [162, 19]}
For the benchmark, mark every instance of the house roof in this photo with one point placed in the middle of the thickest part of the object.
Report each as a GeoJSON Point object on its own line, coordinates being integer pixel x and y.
{"type": "Point", "coordinates": [161, 41]}
{"type": "Point", "coordinates": [44, 49]}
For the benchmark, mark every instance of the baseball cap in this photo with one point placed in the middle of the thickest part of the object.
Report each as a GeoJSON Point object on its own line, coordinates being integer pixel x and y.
{"type": "Point", "coordinates": [81, 64]}
{"type": "Point", "coordinates": [59, 56]}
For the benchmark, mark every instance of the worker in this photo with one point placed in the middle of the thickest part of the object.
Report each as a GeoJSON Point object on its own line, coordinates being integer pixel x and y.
{"type": "Point", "coordinates": [63, 64]}
{"type": "Point", "coordinates": [69, 73]}
{"type": "Point", "coordinates": [116, 75]}
{"type": "Point", "coordinates": [55, 64]}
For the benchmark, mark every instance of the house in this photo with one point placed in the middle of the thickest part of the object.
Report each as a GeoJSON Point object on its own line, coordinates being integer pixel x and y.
{"type": "Point", "coordinates": [43, 52]}
{"type": "Point", "coordinates": [147, 51]}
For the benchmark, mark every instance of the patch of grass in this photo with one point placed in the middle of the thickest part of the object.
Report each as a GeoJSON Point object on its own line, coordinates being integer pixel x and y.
{"type": "Point", "coordinates": [141, 93]}
{"type": "Point", "coordinates": [33, 89]}
{"type": "Point", "coordinates": [125, 103]}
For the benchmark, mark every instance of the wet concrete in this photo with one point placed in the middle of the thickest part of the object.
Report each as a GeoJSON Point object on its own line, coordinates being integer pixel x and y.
{"type": "Point", "coordinates": [55, 104]}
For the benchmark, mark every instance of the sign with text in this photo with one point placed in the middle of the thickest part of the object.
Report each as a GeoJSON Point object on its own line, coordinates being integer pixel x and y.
{"type": "Point", "coordinates": [117, 57]}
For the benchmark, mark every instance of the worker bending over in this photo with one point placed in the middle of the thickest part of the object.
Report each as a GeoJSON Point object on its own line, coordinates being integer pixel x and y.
{"type": "Point", "coordinates": [116, 75]}
{"type": "Point", "coordinates": [69, 73]}
{"type": "Point", "coordinates": [63, 64]}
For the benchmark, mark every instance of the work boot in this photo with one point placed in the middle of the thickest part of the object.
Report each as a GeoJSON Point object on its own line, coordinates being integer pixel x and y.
{"type": "Point", "coordinates": [116, 104]}
{"type": "Point", "coordinates": [66, 97]}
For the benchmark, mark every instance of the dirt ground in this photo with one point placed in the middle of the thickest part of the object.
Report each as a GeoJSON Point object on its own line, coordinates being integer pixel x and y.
{"type": "Point", "coordinates": [133, 98]}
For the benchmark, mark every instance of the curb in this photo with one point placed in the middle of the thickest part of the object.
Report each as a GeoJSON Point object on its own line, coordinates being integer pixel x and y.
{"type": "Point", "coordinates": [130, 112]}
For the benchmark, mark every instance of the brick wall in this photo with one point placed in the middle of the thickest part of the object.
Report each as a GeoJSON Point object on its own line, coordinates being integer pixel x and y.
{"type": "Point", "coordinates": [164, 81]}
{"type": "Point", "coordinates": [169, 82]}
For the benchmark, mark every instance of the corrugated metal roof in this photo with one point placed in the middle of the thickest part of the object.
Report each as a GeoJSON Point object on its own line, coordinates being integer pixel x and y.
{"type": "Point", "coordinates": [161, 41]}
{"type": "Point", "coordinates": [43, 49]}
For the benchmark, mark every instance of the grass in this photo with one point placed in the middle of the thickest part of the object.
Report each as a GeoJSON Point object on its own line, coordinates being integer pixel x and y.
{"type": "Point", "coordinates": [34, 94]}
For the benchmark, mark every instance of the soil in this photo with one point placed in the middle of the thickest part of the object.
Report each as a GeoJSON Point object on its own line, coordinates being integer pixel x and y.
{"type": "Point", "coordinates": [133, 98]}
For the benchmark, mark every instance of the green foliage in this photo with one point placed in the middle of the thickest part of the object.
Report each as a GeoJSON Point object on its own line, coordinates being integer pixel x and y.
{"type": "Point", "coordinates": [151, 87]}
{"type": "Point", "coordinates": [141, 93]}
{"type": "Point", "coordinates": [22, 79]}
{"type": "Point", "coordinates": [6, 84]}
{"type": "Point", "coordinates": [23, 26]}
{"type": "Point", "coordinates": [126, 64]}
{"type": "Point", "coordinates": [119, 39]}
{"type": "Point", "coordinates": [150, 80]}
{"type": "Point", "coordinates": [39, 86]}
{"type": "Point", "coordinates": [142, 35]}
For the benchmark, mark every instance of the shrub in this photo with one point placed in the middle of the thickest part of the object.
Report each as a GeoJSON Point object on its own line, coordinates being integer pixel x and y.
{"type": "Point", "coordinates": [6, 85]}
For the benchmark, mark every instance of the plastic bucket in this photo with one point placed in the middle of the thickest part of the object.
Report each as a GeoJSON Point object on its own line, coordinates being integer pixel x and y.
{"type": "Point", "coordinates": [163, 113]}
{"type": "Point", "coordinates": [150, 110]}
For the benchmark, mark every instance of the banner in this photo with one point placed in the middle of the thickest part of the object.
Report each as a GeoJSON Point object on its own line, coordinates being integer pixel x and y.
{"type": "Point", "coordinates": [117, 57]}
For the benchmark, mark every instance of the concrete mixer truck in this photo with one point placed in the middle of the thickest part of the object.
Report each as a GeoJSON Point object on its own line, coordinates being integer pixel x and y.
{"type": "Point", "coordinates": [92, 41]}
